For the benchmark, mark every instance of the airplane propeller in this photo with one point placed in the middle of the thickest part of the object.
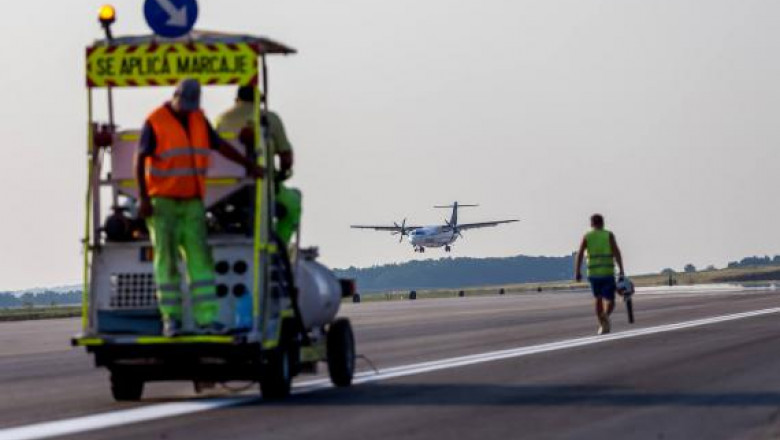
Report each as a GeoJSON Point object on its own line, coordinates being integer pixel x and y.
{"type": "Point", "coordinates": [402, 231]}
{"type": "Point", "coordinates": [455, 229]}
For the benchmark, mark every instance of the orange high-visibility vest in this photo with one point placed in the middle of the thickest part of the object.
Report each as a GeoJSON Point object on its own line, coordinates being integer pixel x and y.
{"type": "Point", "coordinates": [180, 163]}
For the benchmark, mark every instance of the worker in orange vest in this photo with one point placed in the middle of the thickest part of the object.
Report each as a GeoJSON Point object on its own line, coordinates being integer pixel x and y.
{"type": "Point", "coordinates": [172, 161]}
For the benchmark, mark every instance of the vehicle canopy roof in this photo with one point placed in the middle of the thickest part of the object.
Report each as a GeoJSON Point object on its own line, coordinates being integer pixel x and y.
{"type": "Point", "coordinates": [263, 45]}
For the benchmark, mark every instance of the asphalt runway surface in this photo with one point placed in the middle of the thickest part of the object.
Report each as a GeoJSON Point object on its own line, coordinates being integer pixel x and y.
{"type": "Point", "coordinates": [698, 365]}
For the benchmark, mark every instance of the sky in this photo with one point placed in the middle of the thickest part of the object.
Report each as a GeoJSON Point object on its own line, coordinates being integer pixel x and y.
{"type": "Point", "coordinates": [661, 115]}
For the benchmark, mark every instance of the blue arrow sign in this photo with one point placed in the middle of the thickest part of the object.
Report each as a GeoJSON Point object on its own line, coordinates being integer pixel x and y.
{"type": "Point", "coordinates": [171, 18]}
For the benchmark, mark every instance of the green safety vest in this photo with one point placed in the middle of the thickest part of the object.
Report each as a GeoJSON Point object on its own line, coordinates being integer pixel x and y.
{"type": "Point", "coordinates": [601, 262]}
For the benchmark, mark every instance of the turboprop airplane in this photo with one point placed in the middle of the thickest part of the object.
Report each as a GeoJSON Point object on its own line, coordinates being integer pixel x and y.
{"type": "Point", "coordinates": [445, 235]}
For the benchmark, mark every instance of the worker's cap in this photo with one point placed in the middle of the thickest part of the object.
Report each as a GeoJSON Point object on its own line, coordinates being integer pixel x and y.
{"type": "Point", "coordinates": [188, 94]}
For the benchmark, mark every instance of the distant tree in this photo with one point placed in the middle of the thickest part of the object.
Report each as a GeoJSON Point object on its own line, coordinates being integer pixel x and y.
{"type": "Point", "coordinates": [711, 267]}
{"type": "Point", "coordinates": [689, 268]}
{"type": "Point", "coordinates": [668, 271]}
{"type": "Point", "coordinates": [756, 261]}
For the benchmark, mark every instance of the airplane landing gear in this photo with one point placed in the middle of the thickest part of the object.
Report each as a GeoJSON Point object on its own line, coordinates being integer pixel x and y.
{"type": "Point", "coordinates": [447, 249]}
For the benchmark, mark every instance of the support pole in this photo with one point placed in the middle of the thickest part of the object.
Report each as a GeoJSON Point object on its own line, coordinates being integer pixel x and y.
{"type": "Point", "coordinates": [266, 210]}
{"type": "Point", "coordinates": [87, 205]}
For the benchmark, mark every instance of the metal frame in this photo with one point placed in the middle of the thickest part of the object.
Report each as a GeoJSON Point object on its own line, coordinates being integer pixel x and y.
{"type": "Point", "coordinates": [264, 197]}
{"type": "Point", "coordinates": [249, 355]}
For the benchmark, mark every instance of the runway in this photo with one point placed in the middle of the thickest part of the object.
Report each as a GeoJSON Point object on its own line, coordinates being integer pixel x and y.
{"type": "Point", "coordinates": [695, 365]}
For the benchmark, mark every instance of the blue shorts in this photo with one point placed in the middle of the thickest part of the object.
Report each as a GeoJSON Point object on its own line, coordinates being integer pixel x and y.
{"type": "Point", "coordinates": [603, 287]}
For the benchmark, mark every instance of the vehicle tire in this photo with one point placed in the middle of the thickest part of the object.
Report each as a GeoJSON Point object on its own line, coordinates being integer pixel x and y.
{"type": "Point", "coordinates": [126, 388]}
{"type": "Point", "coordinates": [341, 353]}
{"type": "Point", "coordinates": [278, 372]}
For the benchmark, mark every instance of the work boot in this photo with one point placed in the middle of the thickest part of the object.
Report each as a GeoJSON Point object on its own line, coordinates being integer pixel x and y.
{"type": "Point", "coordinates": [603, 326]}
{"type": "Point", "coordinates": [171, 327]}
{"type": "Point", "coordinates": [606, 326]}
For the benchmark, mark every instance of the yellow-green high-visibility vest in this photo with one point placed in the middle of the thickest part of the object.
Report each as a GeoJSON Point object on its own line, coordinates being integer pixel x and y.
{"type": "Point", "coordinates": [601, 262]}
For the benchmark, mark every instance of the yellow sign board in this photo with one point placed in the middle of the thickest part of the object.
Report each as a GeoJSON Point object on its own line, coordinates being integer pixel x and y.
{"type": "Point", "coordinates": [163, 64]}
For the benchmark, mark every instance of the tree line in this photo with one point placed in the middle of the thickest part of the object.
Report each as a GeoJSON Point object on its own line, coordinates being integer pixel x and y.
{"type": "Point", "coordinates": [444, 273]}
{"type": "Point", "coordinates": [753, 261]}
{"type": "Point", "coordinates": [460, 272]}
{"type": "Point", "coordinates": [756, 261]}
{"type": "Point", "coordinates": [45, 298]}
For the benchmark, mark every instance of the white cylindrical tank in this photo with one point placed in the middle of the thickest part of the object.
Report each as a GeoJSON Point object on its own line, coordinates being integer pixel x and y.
{"type": "Point", "coordinates": [319, 294]}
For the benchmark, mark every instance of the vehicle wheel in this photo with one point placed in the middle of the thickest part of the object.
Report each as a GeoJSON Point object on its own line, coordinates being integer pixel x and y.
{"type": "Point", "coordinates": [276, 380]}
{"type": "Point", "coordinates": [341, 353]}
{"type": "Point", "coordinates": [125, 387]}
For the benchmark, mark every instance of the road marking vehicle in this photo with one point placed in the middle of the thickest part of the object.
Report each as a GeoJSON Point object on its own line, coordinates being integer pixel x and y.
{"type": "Point", "coordinates": [280, 305]}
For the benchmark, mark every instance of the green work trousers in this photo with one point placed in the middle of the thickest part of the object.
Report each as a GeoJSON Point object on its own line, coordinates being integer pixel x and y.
{"type": "Point", "coordinates": [177, 228]}
{"type": "Point", "coordinates": [290, 217]}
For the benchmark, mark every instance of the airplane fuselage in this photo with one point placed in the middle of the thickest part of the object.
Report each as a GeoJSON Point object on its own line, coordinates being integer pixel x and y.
{"type": "Point", "coordinates": [432, 236]}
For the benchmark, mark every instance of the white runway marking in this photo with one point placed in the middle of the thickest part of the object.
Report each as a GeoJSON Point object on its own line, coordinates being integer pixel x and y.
{"type": "Point", "coordinates": [153, 412]}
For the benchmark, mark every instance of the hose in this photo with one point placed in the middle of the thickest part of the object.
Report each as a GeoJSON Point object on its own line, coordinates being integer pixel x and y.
{"type": "Point", "coordinates": [238, 389]}
{"type": "Point", "coordinates": [290, 278]}
{"type": "Point", "coordinates": [369, 362]}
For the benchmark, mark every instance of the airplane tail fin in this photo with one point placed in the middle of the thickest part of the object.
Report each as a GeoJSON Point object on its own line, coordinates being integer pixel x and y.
{"type": "Point", "coordinates": [454, 206]}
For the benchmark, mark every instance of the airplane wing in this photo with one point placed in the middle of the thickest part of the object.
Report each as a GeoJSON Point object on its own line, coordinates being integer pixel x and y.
{"type": "Point", "coordinates": [386, 228]}
{"type": "Point", "coordinates": [468, 226]}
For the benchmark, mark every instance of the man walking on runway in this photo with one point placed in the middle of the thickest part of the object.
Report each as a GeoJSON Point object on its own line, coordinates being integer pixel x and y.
{"type": "Point", "coordinates": [603, 253]}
